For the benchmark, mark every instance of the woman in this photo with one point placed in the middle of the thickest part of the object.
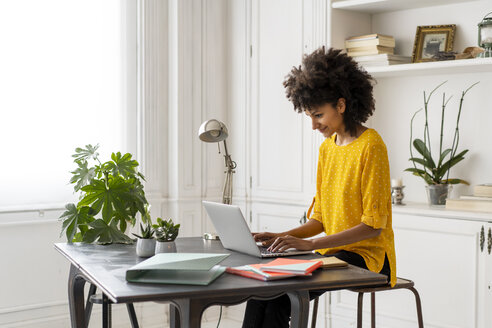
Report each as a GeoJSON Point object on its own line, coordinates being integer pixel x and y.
{"type": "Point", "coordinates": [353, 195]}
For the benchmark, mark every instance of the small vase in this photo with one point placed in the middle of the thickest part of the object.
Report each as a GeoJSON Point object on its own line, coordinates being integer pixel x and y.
{"type": "Point", "coordinates": [145, 247]}
{"type": "Point", "coordinates": [165, 247]}
{"type": "Point", "coordinates": [437, 194]}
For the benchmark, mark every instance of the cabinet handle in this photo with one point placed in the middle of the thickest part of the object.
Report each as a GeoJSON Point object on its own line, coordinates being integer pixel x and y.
{"type": "Point", "coordinates": [482, 239]}
{"type": "Point", "coordinates": [489, 241]}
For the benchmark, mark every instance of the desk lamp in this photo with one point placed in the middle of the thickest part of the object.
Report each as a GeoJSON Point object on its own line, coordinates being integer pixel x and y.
{"type": "Point", "coordinates": [216, 131]}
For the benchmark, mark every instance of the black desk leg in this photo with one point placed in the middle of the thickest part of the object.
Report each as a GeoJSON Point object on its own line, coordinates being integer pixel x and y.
{"type": "Point", "coordinates": [190, 312]}
{"type": "Point", "coordinates": [299, 313]}
{"type": "Point", "coordinates": [174, 316]}
{"type": "Point", "coordinates": [76, 284]}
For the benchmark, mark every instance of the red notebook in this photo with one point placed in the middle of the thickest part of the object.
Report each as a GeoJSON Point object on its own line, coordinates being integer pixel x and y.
{"type": "Point", "coordinates": [284, 265]}
{"type": "Point", "coordinates": [254, 271]}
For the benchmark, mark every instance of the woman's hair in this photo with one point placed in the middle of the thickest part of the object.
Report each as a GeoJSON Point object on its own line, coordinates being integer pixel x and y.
{"type": "Point", "coordinates": [326, 76]}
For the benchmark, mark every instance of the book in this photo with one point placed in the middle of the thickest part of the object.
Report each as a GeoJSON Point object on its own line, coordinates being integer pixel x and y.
{"type": "Point", "coordinates": [332, 262]}
{"type": "Point", "coordinates": [254, 271]}
{"type": "Point", "coordinates": [483, 190]}
{"type": "Point", "coordinates": [472, 197]}
{"type": "Point", "coordinates": [371, 48]}
{"type": "Point", "coordinates": [469, 205]}
{"type": "Point", "coordinates": [302, 267]}
{"type": "Point", "coordinates": [178, 268]}
{"type": "Point", "coordinates": [374, 51]}
{"type": "Point", "coordinates": [370, 37]}
{"type": "Point", "coordinates": [356, 43]}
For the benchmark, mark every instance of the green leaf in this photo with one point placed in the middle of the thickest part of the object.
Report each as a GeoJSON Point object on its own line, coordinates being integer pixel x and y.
{"type": "Point", "coordinates": [82, 175]}
{"type": "Point", "coordinates": [456, 181]}
{"type": "Point", "coordinates": [422, 149]}
{"type": "Point", "coordinates": [105, 234]}
{"type": "Point", "coordinates": [72, 218]}
{"type": "Point", "coordinates": [421, 161]}
{"type": "Point", "coordinates": [83, 154]}
{"type": "Point", "coordinates": [121, 199]}
{"type": "Point", "coordinates": [421, 173]}
{"type": "Point", "coordinates": [122, 165]}
{"type": "Point", "coordinates": [443, 155]}
{"type": "Point", "coordinates": [450, 163]}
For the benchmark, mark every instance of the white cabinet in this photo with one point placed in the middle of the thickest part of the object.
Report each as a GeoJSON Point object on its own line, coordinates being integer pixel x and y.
{"type": "Point", "coordinates": [444, 257]}
{"type": "Point", "coordinates": [283, 147]}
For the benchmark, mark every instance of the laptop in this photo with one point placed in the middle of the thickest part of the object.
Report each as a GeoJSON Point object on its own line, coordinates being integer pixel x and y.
{"type": "Point", "coordinates": [234, 232]}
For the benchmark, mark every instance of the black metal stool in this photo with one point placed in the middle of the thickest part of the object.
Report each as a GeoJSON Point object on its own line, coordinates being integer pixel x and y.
{"type": "Point", "coordinates": [400, 284]}
{"type": "Point", "coordinates": [93, 298]}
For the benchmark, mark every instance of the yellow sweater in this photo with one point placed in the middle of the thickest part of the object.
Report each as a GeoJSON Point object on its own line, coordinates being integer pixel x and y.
{"type": "Point", "coordinates": [353, 186]}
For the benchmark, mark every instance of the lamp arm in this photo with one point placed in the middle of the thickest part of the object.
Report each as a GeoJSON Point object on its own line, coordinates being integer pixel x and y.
{"type": "Point", "coordinates": [230, 166]}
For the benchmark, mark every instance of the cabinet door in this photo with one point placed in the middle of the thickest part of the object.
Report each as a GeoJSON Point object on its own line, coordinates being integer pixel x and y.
{"type": "Point", "coordinates": [277, 163]}
{"type": "Point", "coordinates": [442, 257]}
{"type": "Point", "coordinates": [275, 217]}
{"type": "Point", "coordinates": [485, 280]}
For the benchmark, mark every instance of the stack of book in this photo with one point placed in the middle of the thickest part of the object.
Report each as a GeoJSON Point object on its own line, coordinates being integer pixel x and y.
{"type": "Point", "coordinates": [285, 268]}
{"type": "Point", "coordinates": [480, 201]}
{"type": "Point", "coordinates": [374, 50]}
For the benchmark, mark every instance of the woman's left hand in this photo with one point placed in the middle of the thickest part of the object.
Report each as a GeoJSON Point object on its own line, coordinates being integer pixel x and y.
{"type": "Point", "coordinates": [283, 243]}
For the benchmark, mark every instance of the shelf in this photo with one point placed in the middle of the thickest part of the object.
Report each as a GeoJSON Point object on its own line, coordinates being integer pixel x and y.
{"type": "Point", "coordinates": [378, 6]}
{"type": "Point", "coordinates": [461, 66]}
{"type": "Point", "coordinates": [440, 212]}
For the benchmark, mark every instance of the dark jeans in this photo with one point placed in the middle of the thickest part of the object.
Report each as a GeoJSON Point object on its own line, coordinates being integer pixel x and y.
{"type": "Point", "coordinates": [276, 312]}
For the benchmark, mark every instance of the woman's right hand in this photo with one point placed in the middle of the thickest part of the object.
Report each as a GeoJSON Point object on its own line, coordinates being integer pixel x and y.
{"type": "Point", "coordinates": [266, 238]}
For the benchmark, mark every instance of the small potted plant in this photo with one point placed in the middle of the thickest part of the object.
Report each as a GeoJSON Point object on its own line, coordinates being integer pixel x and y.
{"type": "Point", "coordinates": [145, 241]}
{"type": "Point", "coordinates": [436, 173]}
{"type": "Point", "coordinates": [166, 232]}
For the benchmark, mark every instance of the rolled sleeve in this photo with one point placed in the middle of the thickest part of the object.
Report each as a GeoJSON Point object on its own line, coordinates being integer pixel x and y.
{"type": "Point", "coordinates": [375, 187]}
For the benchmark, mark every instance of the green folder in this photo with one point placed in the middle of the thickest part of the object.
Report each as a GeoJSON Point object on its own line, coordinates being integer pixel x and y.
{"type": "Point", "coordinates": [178, 268]}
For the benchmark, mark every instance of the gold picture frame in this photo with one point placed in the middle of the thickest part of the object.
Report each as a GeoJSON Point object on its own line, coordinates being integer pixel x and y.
{"type": "Point", "coordinates": [431, 39]}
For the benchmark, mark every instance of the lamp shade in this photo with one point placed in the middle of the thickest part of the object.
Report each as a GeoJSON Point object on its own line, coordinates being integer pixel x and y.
{"type": "Point", "coordinates": [212, 131]}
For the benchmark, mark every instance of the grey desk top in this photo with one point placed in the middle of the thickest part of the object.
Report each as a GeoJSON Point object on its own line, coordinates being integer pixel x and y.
{"type": "Point", "coordinates": [105, 266]}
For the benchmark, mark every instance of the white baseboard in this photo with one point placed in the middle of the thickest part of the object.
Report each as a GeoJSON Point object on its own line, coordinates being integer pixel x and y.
{"type": "Point", "coordinates": [149, 315]}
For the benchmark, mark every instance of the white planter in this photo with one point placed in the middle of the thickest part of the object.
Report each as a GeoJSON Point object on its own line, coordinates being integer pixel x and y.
{"type": "Point", "coordinates": [145, 247]}
{"type": "Point", "coordinates": [165, 247]}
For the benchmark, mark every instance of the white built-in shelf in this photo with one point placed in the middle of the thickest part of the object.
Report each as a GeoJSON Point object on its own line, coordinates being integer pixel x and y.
{"type": "Point", "coordinates": [461, 66]}
{"type": "Point", "coordinates": [378, 6]}
{"type": "Point", "coordinates": [424, 209]}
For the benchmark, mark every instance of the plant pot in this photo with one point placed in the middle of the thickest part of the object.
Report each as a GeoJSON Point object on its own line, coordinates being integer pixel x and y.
{"type": "Point", "coordinates": [165, 247]}
{"type": "Point", "coordinates": [145, 247]}
{"type": "Point", "coordinates": [437, 194]}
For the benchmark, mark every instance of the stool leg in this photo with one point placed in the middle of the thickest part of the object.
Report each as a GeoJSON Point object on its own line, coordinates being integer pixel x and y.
{"type": "Point", "coordinates": [359, 310]}
{"type": "Point", "coordinates": [88, 304]}
{"type": "Point", "coordinates": [373, 310]}
{"type": "Point", "coordinates": [132, 315]}
{"type": "Point", "coordinates": [419, 307]}
{"type": "Point", "coordinates": [315, 312]}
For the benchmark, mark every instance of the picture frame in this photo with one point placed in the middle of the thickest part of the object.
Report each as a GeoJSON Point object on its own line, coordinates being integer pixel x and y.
{"type": "Point", "coordinates": [431, 39]}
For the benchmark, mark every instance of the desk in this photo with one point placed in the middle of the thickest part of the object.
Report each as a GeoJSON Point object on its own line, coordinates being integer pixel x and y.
{"type": "Point", "coordinates": [105, 267]}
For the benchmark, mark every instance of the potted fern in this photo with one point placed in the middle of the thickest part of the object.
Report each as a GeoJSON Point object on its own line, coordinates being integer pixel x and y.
{"type": "Point", "coordinates": [436, 172]}
{"type": "Point", "coordinates": [111, 196]}
{"type": "Point", "coordinates": [166, 232]}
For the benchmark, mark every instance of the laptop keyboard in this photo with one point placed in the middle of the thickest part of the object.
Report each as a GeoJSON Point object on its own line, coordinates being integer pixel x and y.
{"type": "Point", "coordinates": [265, 252]}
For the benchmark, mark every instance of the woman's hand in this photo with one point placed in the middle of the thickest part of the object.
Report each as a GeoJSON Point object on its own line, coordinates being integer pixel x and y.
{"type": "Point", "coordinates": [283, 243]}
{"type": "Point", "coordinates": [266, 238]}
